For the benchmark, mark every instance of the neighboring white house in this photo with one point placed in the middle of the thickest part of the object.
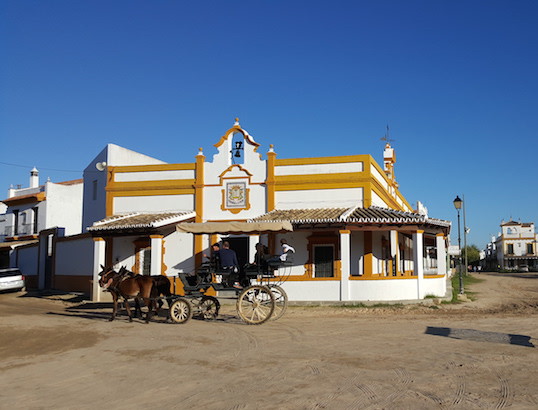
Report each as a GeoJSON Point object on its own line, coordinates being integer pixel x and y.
{"type": "Point", "coordinates": [516, 246]}
{"type": "Point", "coordinates": [37, 208]}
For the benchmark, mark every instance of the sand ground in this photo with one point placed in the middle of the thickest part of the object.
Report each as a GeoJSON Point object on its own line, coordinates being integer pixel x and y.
{"type": "Point", "coordinates": [60, 352]}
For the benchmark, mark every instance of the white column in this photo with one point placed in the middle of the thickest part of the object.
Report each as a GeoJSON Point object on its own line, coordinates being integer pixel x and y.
{"type": "Point", "coordinates": [156, 255]}
{"type": "Point", "coordinates": [394, 251]}
{"type": "Point", "coordinates": [441, 254]}
{"type": "Point", "coordinates": [99, 250]}
{"type": "Point", "coordinates": [418, 261]}
{"type": "Point", "coordinates": [345, 263]}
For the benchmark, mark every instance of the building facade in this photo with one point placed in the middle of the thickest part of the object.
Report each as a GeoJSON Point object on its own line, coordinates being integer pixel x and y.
{"type": "Point", "coordinates": [356, 237]}
{"type": "Point", "coordinates": [516, 246]}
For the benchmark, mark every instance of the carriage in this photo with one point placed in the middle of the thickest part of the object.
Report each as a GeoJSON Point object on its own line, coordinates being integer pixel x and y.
{"type": "Point", "coordinates": [262, 297]}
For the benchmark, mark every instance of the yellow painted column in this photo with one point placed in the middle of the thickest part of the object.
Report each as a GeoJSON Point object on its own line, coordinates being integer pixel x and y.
{"type": "Point", "coordinates": [270, 180]}
{"type": "Point", "coordinates": [368, 254]}
{"type": "Point", "coordinates": [199, 205]}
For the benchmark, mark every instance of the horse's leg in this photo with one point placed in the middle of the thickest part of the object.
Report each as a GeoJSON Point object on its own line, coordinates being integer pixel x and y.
{"type": "Point", "coordinates": [149, 304]}
{"type": "Point", "coordinates": [114, 306]}
{"type": "Point", "coordinates": [128, 308]}
{"type": "Point", "coordinates": [138, 309]}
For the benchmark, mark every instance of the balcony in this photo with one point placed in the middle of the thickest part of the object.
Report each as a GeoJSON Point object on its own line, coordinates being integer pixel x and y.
{"type": "Point", "coordinates": [23, 230]}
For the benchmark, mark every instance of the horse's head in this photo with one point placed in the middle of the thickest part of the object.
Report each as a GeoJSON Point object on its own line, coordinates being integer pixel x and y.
{"type": "Point", "coordinates": [106, 276]}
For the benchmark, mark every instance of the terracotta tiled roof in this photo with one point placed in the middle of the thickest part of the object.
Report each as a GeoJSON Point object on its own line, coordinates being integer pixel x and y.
{"type": "Point", "coordinates": [372, 215]}
{"type": "Point", "coordinates": [140, 220]}
{"type": "Point", "coordinates": [304, 215]}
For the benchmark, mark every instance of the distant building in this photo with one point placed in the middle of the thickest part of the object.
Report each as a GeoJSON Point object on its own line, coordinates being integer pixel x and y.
{"type": "Point", "coordinates": [515, 247]}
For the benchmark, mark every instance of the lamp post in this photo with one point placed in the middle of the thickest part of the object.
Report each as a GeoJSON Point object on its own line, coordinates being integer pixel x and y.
{"type": "Point", "coordinates": [457, 204]}
{"type": "Point", "coordinates": [466, 230]}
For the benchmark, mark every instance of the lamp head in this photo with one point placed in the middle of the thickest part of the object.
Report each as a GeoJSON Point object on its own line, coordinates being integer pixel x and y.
{"type": "Point", "coordinates": [457, 202]}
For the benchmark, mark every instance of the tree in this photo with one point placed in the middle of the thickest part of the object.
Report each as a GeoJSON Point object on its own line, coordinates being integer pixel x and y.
{"type": "Point", "coordinates": [473, 254]}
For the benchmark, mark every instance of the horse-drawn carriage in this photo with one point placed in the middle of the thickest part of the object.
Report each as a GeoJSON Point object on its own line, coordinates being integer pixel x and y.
{"type": "Point", "coordinates": [261, 297]}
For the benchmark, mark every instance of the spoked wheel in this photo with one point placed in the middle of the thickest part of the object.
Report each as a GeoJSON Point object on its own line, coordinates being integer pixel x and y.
{"type": "Point", "coordinates": [180, 310]}
{"type": "Point", "coordinates": [255, 304]}
{"type": "Point", "coordinates": [209, 307]}
{"type": "Point", "coordinates": [281, 301]}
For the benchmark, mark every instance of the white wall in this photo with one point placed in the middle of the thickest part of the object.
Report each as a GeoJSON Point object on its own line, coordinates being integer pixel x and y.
{"type": "Point", "coordinates": [74, 257]}
{"type": "Point", "coordinates": [25, 258]}
{"type": "Point", "coordinates": [153, 203]}
{"type": "Point", "coordinates": [64, 207]}
{"type": "Point", "coordinates": [310, 169]}
{"type": "Point", "coordinates": [178, 256]}
{"type": "Point", "coordinates": [319, 198]}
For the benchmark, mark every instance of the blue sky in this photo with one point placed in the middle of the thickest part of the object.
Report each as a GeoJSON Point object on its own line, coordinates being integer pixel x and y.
{"type": "Point", "coordinates": [456, 81]}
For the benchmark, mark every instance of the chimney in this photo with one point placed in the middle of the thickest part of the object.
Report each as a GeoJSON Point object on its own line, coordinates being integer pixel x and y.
{"type": "Point", "coordinates": [34, 178]}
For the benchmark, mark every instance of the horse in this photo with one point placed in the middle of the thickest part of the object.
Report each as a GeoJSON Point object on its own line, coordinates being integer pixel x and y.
{"type": "Point", "coordinates": [127, 286]}
{"type": "Point", "coordinates": [161, 286]}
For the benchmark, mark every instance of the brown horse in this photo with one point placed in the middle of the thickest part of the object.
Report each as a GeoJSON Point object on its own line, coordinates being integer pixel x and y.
{"type": "Point", "coordinates": [128, 287]}
{"type": "Point", "coordinates": [161, 286]}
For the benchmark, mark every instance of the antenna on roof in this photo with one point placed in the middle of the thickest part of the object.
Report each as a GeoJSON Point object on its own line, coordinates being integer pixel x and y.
{"type": "Point", "coordinates": [386, 137]}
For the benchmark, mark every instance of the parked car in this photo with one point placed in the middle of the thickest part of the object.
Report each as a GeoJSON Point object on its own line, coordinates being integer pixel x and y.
{"type": "Point", "coordinates": [11, 279]}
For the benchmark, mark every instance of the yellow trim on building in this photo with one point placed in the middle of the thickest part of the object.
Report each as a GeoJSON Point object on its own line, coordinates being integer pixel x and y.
{"type": "Point", "coordinates": [322, 160]}
{"type": "Point", "coordinates": [155, 167]}
{"type": "Point", "coordinates": [270, 180]}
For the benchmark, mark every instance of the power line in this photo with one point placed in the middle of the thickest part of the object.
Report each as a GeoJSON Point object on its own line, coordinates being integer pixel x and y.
{"type": "Point", "coordinates": [40, 168]}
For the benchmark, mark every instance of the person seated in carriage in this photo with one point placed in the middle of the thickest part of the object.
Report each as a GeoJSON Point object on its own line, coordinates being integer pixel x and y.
{"type": "Point", "coordinates": [260, 260]}
{"type": "Point", "coordinates": [285, 256]}
{"type": "Point", "coordinates": [229, 263]}
{"type": "Point", "coordinates": [214, 257]}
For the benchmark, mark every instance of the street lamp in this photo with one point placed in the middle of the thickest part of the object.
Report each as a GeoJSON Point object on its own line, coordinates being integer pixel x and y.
{"type": "Point", "coordinates": [457, 204]}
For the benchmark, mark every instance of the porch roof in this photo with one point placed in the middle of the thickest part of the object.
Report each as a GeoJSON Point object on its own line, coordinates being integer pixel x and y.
{"type": "Point", "coordinates": [139, 220]}
{"type": "Point", "coordinates": [14, 244]}
{"type": "Point", "coordinates": [355, 215]}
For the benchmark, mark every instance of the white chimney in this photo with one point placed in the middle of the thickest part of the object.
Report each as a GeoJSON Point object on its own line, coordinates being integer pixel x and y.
{"type": "Point", "coordinates": [34, 178]}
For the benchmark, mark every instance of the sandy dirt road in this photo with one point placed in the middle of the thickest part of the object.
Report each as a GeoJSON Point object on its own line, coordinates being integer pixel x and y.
{"type": "Point", "coordinates": [57, 352]}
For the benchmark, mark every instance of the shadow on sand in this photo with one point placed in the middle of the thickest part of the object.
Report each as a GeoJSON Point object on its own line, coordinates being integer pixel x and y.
{"type": "Point", "coordinates": [480, 336]}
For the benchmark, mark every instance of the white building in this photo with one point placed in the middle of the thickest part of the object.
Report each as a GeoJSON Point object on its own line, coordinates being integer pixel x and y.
{"type": "Point", "coordinates": [516, 246]}
{"type": "Point", "coordinates": [356, 237]}
{"type": "Point", "coordinates": [36, 209]}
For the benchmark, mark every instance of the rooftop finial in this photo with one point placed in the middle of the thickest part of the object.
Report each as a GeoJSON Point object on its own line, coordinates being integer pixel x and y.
{"type": "Point", "coordinates": [236, 123]}
{"type": "Point", "coordinates": [386, 137]}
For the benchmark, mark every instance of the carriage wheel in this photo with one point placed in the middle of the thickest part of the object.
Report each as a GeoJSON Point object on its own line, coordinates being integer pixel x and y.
{"type": "Point", "coordinates": [255, 304]}
{"type": "Point", "coordinates": [180, 310]}
{"type": "Point", "coordinates": [281, 301]}
{"type": "Point", "coordinates": [209, 307]}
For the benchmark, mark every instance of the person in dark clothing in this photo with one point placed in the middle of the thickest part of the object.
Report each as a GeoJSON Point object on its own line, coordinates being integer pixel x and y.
{"type": "Point", "coordinates": [261, 256]}
{"type": "Point", "coordinates": [214, 257]}
{"type": "Point", "coordinates": [228, 262]}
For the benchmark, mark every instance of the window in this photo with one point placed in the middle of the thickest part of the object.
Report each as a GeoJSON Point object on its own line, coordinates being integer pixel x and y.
{"type": "Point", "coordinates": [323, 261]}
{"type": "Point", "coordinates": [15, 222]}
{"type": "Point", "coordinates": [146, 261]}
{"type": "Point", "coordinates": [510, 249]}
{"type": "Point", "coordinates": [35, 227]}
{"type": "Point", "coordinates": [530, 249]}
{"type": "Point", "coordinates": [143, 256]}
